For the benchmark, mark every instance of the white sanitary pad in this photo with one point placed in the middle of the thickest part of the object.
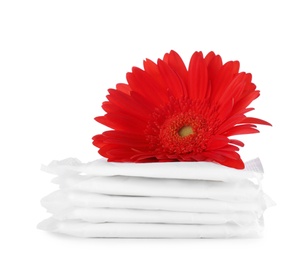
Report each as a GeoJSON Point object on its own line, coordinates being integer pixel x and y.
{"type": "Point", "coordinates": [155, 200]}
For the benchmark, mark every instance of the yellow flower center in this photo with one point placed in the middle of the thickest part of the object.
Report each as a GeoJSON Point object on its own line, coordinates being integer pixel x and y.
{"type": "Point", "coordinates": [185, 131]}
{"type": "Point", "coordinates": [182, 127]}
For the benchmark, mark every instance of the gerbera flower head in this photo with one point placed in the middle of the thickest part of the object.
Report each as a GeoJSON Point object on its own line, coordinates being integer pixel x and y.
{"type": "Point", "coordinates": [168, 112]}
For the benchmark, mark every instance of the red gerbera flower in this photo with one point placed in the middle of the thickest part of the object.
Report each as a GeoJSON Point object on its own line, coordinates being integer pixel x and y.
{"type": "Point", "coordinates": [167, 112]}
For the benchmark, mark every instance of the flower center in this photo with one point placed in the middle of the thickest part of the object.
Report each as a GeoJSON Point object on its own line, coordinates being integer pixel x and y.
{"type": "Point", "coordinates": [181, 128]}
{"type": "Point", "coordinates": [185, 131]}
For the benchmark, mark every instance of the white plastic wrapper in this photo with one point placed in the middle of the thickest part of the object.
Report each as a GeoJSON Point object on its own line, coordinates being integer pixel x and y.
{"type": "Point", "coordinates": [155, 200]}
{"type": "Point", "coordinates": [156, 187]}
{"type": "Point", "coordinates": [168, 170]}
{"type": "Point", "coordinates": [138, 230]}
{"type": "Point", "coordinates": [104, 215]}
{"type": "Point", "coordinates": [61, 200]}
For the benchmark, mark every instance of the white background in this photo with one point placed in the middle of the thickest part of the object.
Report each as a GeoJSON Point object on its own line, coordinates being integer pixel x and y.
{"type": "Point", "coordinates": [57, 60]}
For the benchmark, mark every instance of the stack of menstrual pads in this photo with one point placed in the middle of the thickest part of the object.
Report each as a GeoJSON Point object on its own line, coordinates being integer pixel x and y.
{"type": "Point", "coordinates": [155, 200]}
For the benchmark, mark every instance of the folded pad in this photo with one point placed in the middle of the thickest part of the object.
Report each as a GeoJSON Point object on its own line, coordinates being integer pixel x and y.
{"type": "Point", "coordinates": [156, 187]}
{"type": "Point", "coordinates": [155, 200]}
{"type": "Point", "coordinates": [60, 200]}
{"type": "Point", "coordinates": [170, 170]}
{"type": "Point", "coordinates": [137, 230]}
{"type": "Point", "coordinates": [103, 215]}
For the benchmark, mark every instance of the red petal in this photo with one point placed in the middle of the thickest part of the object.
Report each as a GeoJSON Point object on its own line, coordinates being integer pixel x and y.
{"type": "Point", "coordinates": [223, 78]}
{"type": "Point", "coordinates": [123, 88]}
{"type": "Point", "coordinates": [128, 104]}
{"type": "Point", "coordinates": [230, 122]}
{"type": "Point", "coordinates": [140, 82]}
{"type": "Point", "coordinates": [116, 153]}
{"type": "Point", "coordinates": [123, 138]}
{"type": "Point", "coordinates": [217, 141]}
{"type": "Point", "coordinates": [197, 77]}
{"type": "Point", "coordinates": [147, 82]}
{"type": "Point", "coordinates": [122, 121]}
{"type": "Point", "coordinates": [228, 154]}
{"type": "Point", "coordinates": [240, 130]}
{"type": "Point", "coordinates": [254, 120]}
{"type": "Point", "coordinates": [152, 69]}
{"type": "Point", "coordinates": [176, 63]}
{"type": "Point", "coordinates": [234, 89]}
{"type": "Point", "coordinates": [209, 57]}
{"type": "Point", "coordinates": [173, 82]}
{"type": "Point", "coordinates": [236, 142]}
{"type": "Point", "coordinates": [244, 102]}
{"type": "Point", "coordinates": [237, 164]}
{"type": "Point", "coordinates": [214, 66]}
{"type": "Point", "coordinates": [229, 148]}
{"type": "Point", "coordinates": [233, 163]}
